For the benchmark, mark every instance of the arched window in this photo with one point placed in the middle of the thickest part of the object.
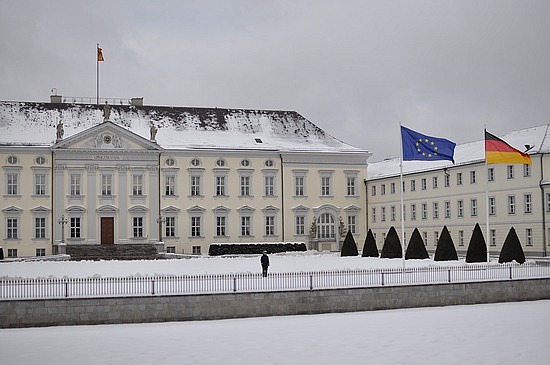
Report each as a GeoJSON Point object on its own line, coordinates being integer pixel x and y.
{"type": "Point", "coordinates": [326, 227]}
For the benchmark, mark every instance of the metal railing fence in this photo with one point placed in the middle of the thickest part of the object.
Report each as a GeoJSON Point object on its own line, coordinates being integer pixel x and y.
{"type": "Point", "coordinates": [12, 289]}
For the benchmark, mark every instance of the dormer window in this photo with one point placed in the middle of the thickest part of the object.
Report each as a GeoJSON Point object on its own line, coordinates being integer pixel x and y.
{"type": "Point", "coordinates": [258, 140]}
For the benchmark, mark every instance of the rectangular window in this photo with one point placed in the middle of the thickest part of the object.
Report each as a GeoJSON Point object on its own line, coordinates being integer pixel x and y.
{"type": "Point", "coordinates": [196, 250]}
{"type": "Point", "coordinates": [436, 210]}
{"type": "Point", "coordinates": [424, 184]}
{"type": "Point", "coordinates": [170, 227]}
{"type": "Point", "coordinates": [447, 180]}
{"type": "Point", "coordinates": [528, 203]}
{"type": "Point", "coordinates": [40, 227]}
{"type": "Point", "coordinates": [383, 189]}
{"type": "Point", "coordinates": [413, 185]}
{"type": "Point", "coordinates": [75, 227]}
{"type": "Point", "coordinates": [106, 185]}
{"type": "Point", "coordinates": [510, 171]}
{"type": "Point", "coordinates": [137, 184]}
{"type": "Point", "coordinates": [511, 204]}
{"type": "Point", "coordinates": [425, 236]}
{"type": "Point", "coordinates": [170, 185]}
{"type": "Point", "coordinates": [436, 238]}
{"type": "Point", "coordinates": [40, 184]}
{"type": "Point", "coordinates": [461, 238]}
{"type": "Point", "coordinates": [460, 208]}
{"type": "Point", "coordinates": [245, 185]}
{"type": "Point", "coordinates": [529, 236]}
{"type": "Point", "coordinates": [269, 185]}
{"type": "Point", "coordinates": [351, 182]}
{"type": "Point", "coordinates": [269, 225]}
{"type": "Point", "coordinates": [220, 185]}
{"type": "Point", "coordinates": [492, 206]}
{"type": "Point", "coordinates": [195, 185]}
{"type": "Point", "coordinates": [12, 228]}
{"type": "Point", "coordinates": [137, 227]}
{"type": "Point", "coordinates": [325, 185]}
{"type": "Point", "coordinates": [526, 170]}
{"type": "Point", "coordinates": [473, 207]}
{"type": "Point", "coordinates": [12, 252]}
{"type": "Point", "coordinates": [383, 214]}
{"type": "Point", "coordinates": [435, 182]}
{"type": "Point", "coordinates": [300, 225]}
{"type": "Point", "coordinates": [413, 212]}
{"type": "Point", "coordinates": [459, 178]}
{"type": "Point", "coordinates": [392, 213]}
{"type": "Point", "coordinates": [373, 215]}
{"type": "Point", "coordinates": [493, 237]}
{"type": "Point", "coordinates": [392, 188]}
{"type": "Point", "coordinates": [299, 186]}
{"type": "Point", "coordinates": [13, 184]}
{"type": "Point", "coordinates": [245, 226]}
{"type": "Point", "coordinates": [220, 226]}
{"type": "Point", "coordinates": [40, 252]}
{"type": "Point", "coordinates": [491, 174]}
{"type": "Point", "coordinates": [547, 202]}
{"type": "Point", "coordinates": [447, 209]}
{"type": "Point", "coordinates": [352, 219]}
{"type": "Point", "coordinates": [424, 211]}
{"type": "Point", "coordinates": [472, 177]}
{"type": "Point", "coordinates": [195, 226]}
{"type": "Point", "coordinates": [170, 249]}
{"type": "Point", "coordinates": [75, 184]}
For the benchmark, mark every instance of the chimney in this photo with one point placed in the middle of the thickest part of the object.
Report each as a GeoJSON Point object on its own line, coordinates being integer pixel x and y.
{"type": "Point", "coordinates": [136, 101]}
{"type": "Point", "coordinates": [55, 99]}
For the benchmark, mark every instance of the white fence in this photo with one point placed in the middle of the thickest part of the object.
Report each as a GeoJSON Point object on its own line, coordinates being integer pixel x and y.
{"type": "Point", "coordinates": [247, 282]}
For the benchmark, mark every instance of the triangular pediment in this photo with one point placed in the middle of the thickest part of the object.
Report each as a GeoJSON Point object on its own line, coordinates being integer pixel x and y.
{"type": "Point", "coordinates": [106, 136]}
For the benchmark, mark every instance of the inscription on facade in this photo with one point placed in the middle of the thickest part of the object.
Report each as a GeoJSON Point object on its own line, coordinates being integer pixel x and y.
{"type": "Point", "coordinates": [100, 157]}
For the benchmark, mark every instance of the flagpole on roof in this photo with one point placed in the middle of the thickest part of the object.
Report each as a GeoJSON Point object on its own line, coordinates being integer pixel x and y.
{"type": "Point", "coordinates": [97, 74]}
{"type": "Point", "coordinates": [401, 194]}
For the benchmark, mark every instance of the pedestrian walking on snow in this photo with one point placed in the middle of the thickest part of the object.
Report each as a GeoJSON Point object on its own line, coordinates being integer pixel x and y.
{"type": "Point", "coordinates": [265, 263]}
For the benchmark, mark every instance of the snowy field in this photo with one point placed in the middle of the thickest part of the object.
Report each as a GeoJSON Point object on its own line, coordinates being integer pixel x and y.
{"type": "Point", "coordinates": [280, 263]}
{"type": "Point", "coordinates": [506, 333]}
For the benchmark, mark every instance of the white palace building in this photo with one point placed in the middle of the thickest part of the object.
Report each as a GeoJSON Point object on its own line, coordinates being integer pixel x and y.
{"type": "Point", "coordinates": [180, 178]}
{"type": "Point", "coordinates": [183, 178]}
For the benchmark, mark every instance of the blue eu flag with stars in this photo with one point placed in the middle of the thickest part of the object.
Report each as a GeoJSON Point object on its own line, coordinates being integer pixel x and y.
{"type": "Point", "coordinates": [417, 146]}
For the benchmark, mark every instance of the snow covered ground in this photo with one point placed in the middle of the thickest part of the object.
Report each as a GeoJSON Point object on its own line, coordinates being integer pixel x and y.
{"type": "Point", "coordinates": [506, 333]}
{"type": "Point", "coordinates": [280, 263]}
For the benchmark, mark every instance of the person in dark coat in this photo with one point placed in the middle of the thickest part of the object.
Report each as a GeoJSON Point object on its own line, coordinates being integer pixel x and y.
{"type": "Point", "coordinates": [265, 263]}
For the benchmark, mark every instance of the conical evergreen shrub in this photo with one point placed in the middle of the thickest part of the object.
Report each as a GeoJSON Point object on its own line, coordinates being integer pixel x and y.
{"type": "Point", "coordinates": [477, 249]}
{"type": "Point", "coordinates": [392, 246]}
{"type": "Point", "coordinates": [445, 250]}
{"type": "Point", "coordinates": [369, 247]}
{"type": "Point", "coordinates": [511, 249]}
{"type": "Point", "coordinates": [416, 248]}
{"type": "Point", "coordinates": [349, 248]}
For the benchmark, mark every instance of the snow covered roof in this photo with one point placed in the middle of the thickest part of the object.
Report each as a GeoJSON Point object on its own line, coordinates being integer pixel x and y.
{"type": "Point", "coordinates": [465, 153]}
{"type": "Point", "coordinates": [32, 124]}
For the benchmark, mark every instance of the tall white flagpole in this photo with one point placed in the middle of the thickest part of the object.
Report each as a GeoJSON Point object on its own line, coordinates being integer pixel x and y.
{"type": "Point", "coordinates": [97, 73]}
{"type": "Point", "coordinates": [401, 190]}
{"type": "Point", "coordinates": [487, 231]}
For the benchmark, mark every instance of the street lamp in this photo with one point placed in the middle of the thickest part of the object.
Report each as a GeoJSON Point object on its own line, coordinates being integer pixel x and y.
{"type": "Point", "coordinates": [61, 245]}
{"type": "Point", "coordinates": [160, 220]}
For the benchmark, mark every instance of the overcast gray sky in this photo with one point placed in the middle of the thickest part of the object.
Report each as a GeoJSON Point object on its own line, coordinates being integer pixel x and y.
{"type": "Point", "coordinates": [355, 68]}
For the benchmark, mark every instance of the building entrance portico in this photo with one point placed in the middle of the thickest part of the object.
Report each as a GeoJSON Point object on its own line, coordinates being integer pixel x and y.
{"type": "Point", "coordinates": [107, 230]}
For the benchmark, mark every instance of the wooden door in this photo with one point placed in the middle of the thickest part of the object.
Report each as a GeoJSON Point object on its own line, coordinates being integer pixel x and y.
{"type": "Point", "coordinates": [107, 230]}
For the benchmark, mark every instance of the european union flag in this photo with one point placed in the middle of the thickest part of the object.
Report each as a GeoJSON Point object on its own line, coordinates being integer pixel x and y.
{"type": "Point", "coordinates": [417, 146]}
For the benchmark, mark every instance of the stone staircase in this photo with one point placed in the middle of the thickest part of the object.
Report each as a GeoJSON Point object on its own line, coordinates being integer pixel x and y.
{"type": "Point", "coordinates": [113, 252]}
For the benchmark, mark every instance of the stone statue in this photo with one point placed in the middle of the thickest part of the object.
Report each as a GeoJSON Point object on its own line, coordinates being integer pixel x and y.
{"type": "Point", "coordinates": [106, 112]}
{"type": "Point", "coordinates": [60, 130]}
{"type": "Point", "coordinates": [153, 132]}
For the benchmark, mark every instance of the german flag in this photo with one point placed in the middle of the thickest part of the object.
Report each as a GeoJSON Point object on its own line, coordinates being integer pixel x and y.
{"type": "Point", "coordinates": [498, 151]}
